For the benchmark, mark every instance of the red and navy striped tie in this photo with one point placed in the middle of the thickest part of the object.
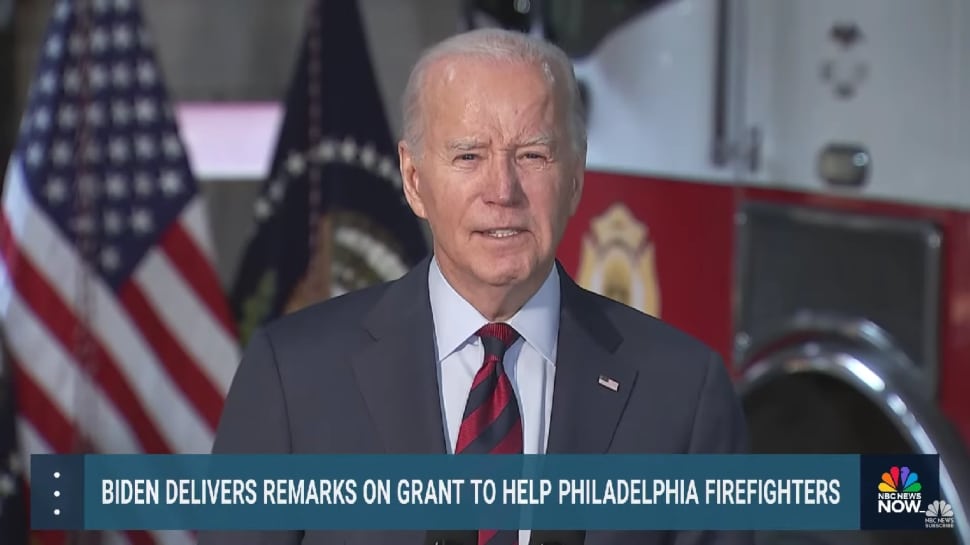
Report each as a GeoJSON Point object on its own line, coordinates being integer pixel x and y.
{"type": "Point", "coordinates": [491, 423]}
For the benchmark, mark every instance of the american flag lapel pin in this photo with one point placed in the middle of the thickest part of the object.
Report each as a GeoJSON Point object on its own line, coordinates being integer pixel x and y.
{"type": "Point", "coordinates": [609, 383]}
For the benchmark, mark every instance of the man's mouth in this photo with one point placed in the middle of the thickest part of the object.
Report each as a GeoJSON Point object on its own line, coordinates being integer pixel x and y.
{"type": "Point", "coordinates": [501, 233]}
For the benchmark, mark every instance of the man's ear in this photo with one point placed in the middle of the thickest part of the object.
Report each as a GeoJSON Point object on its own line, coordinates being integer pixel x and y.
{"type": "Point", "coordinates": [576, 187]}
{"type": "Point", "coordinates": [410, 179]}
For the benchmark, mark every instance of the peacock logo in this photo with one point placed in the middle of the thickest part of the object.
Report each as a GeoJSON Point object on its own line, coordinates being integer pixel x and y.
{"type": "Point", "coordinates": [899, 491]}
{"type": "Point", "coordinates": [939, 514]}
{"type": "Point", "coordinates": [900, 479]}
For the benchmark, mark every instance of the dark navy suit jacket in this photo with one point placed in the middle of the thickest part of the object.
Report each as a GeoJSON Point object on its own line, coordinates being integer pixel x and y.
{"type": "Point", "coordinates": [356, 374]}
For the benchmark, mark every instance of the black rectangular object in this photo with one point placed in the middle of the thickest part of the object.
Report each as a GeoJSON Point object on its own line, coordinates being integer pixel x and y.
{"type": "Point", "coordinates": [797, 259]}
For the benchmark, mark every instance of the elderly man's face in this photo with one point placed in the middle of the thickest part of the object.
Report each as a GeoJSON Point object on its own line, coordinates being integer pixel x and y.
{"type": "Point", "coordinates": [496, 176]}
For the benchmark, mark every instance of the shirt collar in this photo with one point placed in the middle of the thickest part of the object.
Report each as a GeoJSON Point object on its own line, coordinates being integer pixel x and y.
{"type": "Point", "coordinates": [456, 320]}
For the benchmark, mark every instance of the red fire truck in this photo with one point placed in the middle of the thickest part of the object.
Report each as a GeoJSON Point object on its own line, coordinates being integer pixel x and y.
{"type": "Point", "coordinates": [789, 181]}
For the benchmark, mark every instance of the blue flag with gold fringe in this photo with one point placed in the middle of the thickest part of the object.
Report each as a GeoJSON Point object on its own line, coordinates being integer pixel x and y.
{"type": "Point", "coordinates": [332, 216]}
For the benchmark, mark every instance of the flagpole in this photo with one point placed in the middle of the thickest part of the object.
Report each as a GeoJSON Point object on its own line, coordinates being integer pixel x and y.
{"type": "Point", "coordinates": [86, 232]}
{"type": "Point", "coordinates": [85, 222]}
{"type": "Point", "coordinates": [319, 226]}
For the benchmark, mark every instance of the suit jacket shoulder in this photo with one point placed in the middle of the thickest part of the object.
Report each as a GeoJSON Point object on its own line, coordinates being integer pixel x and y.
{"type": "Point", "coordinates": [682, 398]}
{"type": "Point", "coordinates": [327, 325]}
{"type": "Point", "coordinates": [339, 377]}
{"type": "Point", "coordinates": [649, 343]}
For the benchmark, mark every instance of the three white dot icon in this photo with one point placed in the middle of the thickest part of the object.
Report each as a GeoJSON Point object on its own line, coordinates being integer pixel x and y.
{"type": "Point", "coordinates": [57, 493]}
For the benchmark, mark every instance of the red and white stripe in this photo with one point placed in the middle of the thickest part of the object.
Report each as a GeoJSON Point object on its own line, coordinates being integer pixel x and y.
{"type": "Point", "coordinates": [164, 344]}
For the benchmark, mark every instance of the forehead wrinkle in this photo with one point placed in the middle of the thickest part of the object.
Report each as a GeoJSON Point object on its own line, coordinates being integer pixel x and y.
{"type": "Point", "coordinates": [531, 125]}
{"type": "Point", "coordinates": [526, 124]}
{"type": "Point", "coordinates": [543, 129]}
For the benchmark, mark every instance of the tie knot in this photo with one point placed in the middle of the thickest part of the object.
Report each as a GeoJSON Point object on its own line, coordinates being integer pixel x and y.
{"type": "Point", "coordinates": [497, 337]}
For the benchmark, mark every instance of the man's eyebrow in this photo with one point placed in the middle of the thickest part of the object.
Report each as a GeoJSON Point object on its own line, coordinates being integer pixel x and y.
{"type": "Point", "coordinates": [465, 144]}
{"type": "Point", "coordinates": [469, 144]}
{"type": "Point", "coordinates": [540, 140]}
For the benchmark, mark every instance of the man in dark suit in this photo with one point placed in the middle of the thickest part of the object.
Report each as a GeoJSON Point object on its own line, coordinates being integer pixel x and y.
{"type": "Point", "coordinates": [488, 346]}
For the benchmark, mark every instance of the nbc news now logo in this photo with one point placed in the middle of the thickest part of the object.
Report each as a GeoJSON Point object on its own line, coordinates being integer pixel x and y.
{"type": "Point", "coordinates": [899, 491]}
{"type": "Point", "coordinates": [939, 514]}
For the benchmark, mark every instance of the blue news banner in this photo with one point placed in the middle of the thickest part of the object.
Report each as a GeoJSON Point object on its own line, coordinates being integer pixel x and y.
{"type": "Point", "coordinates": [420, 492]}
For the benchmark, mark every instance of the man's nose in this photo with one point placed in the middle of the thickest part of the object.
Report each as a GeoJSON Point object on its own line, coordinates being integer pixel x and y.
{"type": "Point", "coordinates": [503, 185]}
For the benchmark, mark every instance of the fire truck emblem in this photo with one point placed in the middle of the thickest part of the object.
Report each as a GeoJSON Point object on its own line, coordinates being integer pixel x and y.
{"type": "Point", "coordinates": [618, 260]}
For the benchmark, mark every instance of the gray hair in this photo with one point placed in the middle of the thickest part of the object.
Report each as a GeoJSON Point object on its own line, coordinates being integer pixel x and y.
{"type": "Point", "coordinates": [499, 45]}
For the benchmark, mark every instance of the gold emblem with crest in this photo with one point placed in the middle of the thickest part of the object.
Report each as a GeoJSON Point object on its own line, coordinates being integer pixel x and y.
{"type": "Point", "coordinates": [618, 260]}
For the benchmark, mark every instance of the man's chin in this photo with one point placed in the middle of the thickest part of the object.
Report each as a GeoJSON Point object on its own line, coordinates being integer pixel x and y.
{"type": "Point", "coordinates": [506, 275]}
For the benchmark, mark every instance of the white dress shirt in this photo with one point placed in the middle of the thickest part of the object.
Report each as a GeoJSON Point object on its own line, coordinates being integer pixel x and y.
{"type": "Point", "coordinates": [529, 362]}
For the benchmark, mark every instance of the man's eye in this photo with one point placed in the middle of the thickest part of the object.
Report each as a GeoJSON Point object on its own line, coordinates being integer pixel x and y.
{"type": "Point", "coordinates": [531, 155]}
{"type": "Point", "coordinates": [467, 157]}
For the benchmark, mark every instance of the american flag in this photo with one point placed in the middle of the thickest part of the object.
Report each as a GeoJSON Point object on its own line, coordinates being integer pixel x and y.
{"type": "Point", "coordinates": [120, 335]}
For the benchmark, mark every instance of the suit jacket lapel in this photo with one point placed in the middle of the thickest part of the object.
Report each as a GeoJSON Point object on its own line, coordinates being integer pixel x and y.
{"type": "Point", "coordinates": [585, 413]}
{"type": "Point", "coordinates": [397, 374]}
{"type": "Point", "coordinates": [398, 377]}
